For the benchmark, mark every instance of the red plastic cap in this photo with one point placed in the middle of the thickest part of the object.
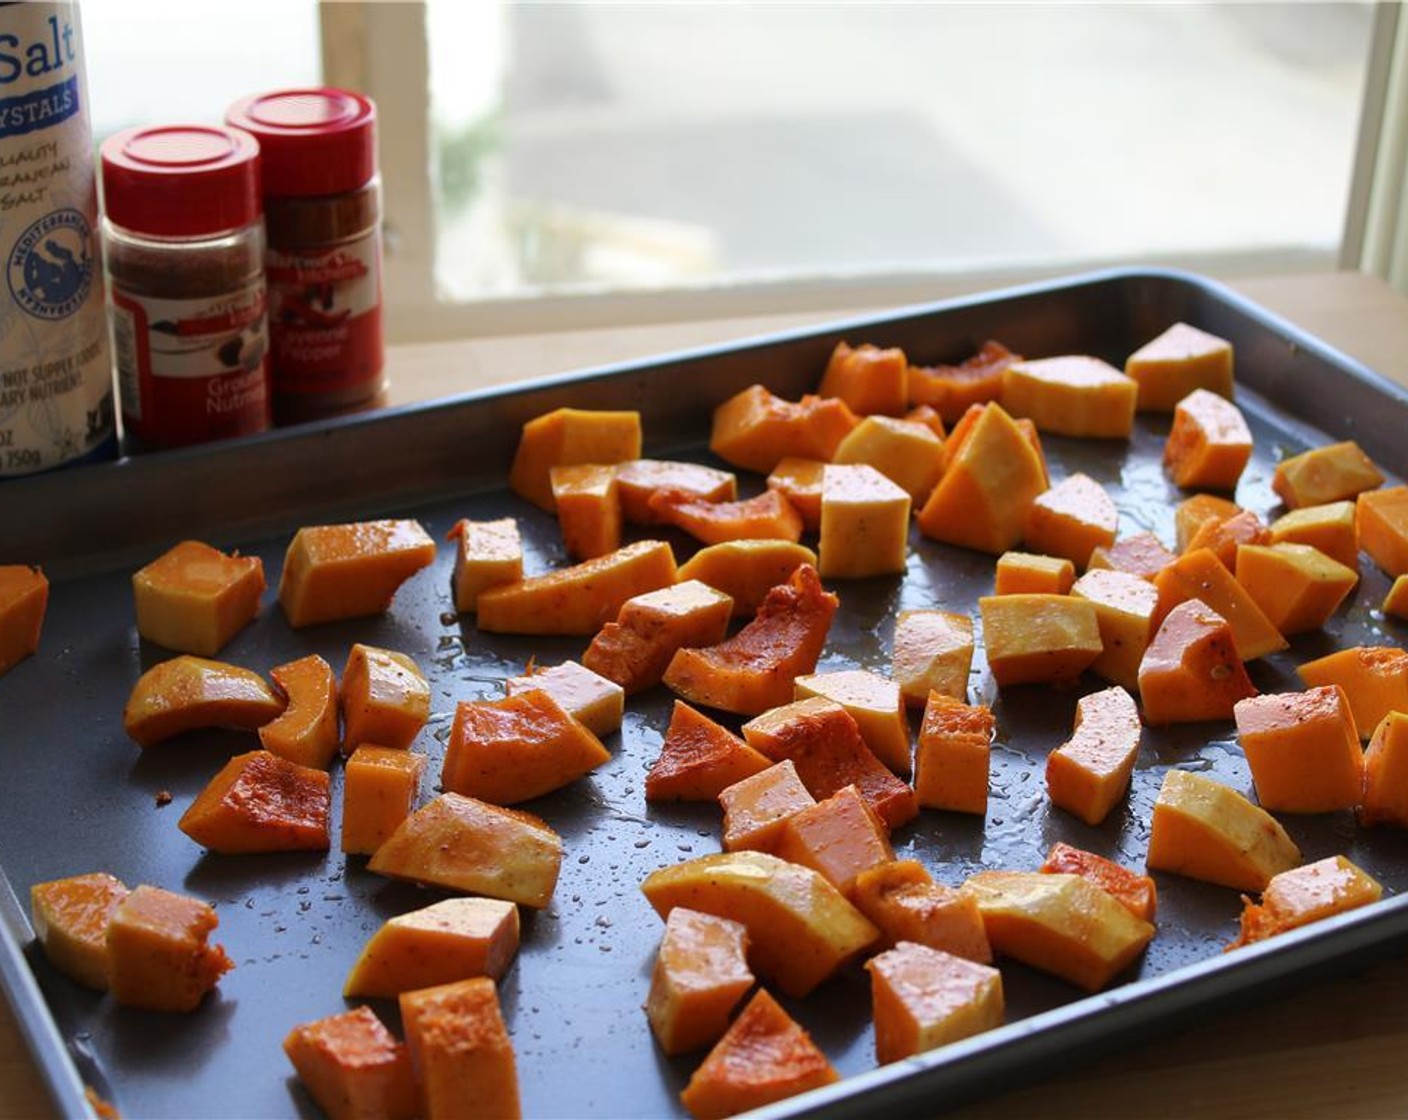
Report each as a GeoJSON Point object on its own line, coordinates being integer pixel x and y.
{"type": "Point", "coordinates": [183, 180]}
{"type": "Point", "coordinates": [313, 141]}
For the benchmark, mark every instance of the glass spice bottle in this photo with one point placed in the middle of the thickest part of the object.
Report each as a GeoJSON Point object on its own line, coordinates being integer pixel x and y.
{"type": "Point", "coordinates": [322, 203]}
{"type": "Point", "coordinates": [185, 253]}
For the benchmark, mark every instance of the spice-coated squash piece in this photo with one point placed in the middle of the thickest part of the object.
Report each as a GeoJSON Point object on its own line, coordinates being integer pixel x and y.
{"type": "Point", "coordinates": [1303, 750]}
{"type": "Point", "coordinates": [870, 380]}
{"type": "Point", "coordinates": [306, 731]}
{"type": "Point", "coordinates": [1135, 892]}
{"type": "Point", "coordinates": [746, 571]}
{"type": "Point", "coordinates": [565, 437]}
{"type": "Point", "coordinates": [905, 903]}
{"type": "Point", "coordinates": [1072, 519]}
{"type": "Point", "coordinates": [157, 950]}
{"type": "Point", "coordinates": [801, 929]}
{"type": "Point", "coordinates": [187, 693]}
{"type": "Point", "coordinates": [699, 759]}
{"type": "Point", "coordinates": [1306, 894]}
{"type": "Point", "coordinates": [1190, 514]}
{"type": "Point", "coordinates": [1026, 573]}
{"type": "Point", "coordinates": [596, 702]}
{"type": "Point", "coordinates": [1191, 670]}
{"type": "Point", "coordinates": [757, 807]}
{"type": "Point", "coordinates": [346, 571]}
{"type": "Point", "coordinates": [906, 452]}
{"type": "Point", "coordinates": [1329, 527]}
{"type": "Point", "coordinates": [1374, 679]}
{"type": "Point", "coordinates": [756, 430]}
{"type": "Point", "coordinates": [1062, 924]}
{"type": "Point", "coordinates": [378, 791]}
{"type": "Point", "coordinates": [514, 749]}
{"type": "Point", "coordinates": [353, 1067]}
{"type": "Point", "coordinates": [259, 802]}
{"type": "Point", "coordinates": [577, 600]}
{"type": "Point", "coordinates": [1142, 555]}
{"type": "Point", "coordinates": [952, 760]}
{"type": "Point", "coordinates": [470, 846]}
{"type": "Point", "coordinates": [1225, 537]}
{"type": "Point", "coordinates": [990, 481]}
{"type": "Point", "coordinates": [1381, 527]}
{"type": "Point", "coordinates": [461, 1053]}
{"type": "Point", "coordinates": [1124, 611]}
{"type": "Point", "coordinates": [822, 739]}
{"type": "Point", "coordinates": [765, 516]}
{"type": "Point", "coordinates": [449, 940]}
{"type": "Point", "coordinates": [763, 1058]}
{"type": "Point", "coordinates": [1202, 576]}
{"type": "Point", "coordinates": [1210, 443]}
{"type": "Point", "coordinates": [638, 479]}
{"type": "Point", "coordinates": [956, 440]}
{"type": "Point", "coordinates": [636, 649]}
{"type": "Point", "coordinates": [1296, 586]}
{"type": "Point", "coordinates": [876, 705]}
{"type": "Point", "coordinates": [1386, 774]}
{"type": "Point", "coordinates": [385, 698]}
{"type": "Point", "coordinates": [487, 554]}
{"type": "Point", "coordinates": [1180, 361]}
{"type": "Point", "coordinates": [754, 670]}
{"type": "Point", "coordinates": [193, 598]}
{"type": "Point", "coordinates": [701, 973]}
{"type": "Point", "coordinates": [1396, 601]}
{"type": "Point", "coordinates": [24, 595]}
{"type": "Point", "coordinates": [932, 651]}
{"type": "Point", "coordinates": [1206, 830]}
{"type": "Point", "coordinates": [1089, 773]}
{"type": "Point", "coordinates": [70, 918]}
{"type": "Point", "coordinates": [923, 998]}
{"type": "Point", "coordinates": [1039, 638]}
{"type": "Point", "coordinates": [839, 837]}
{"type": "Point", "coordinates": [864, 523]}
{"type": "Point", "coordinates": [952, 390]}
{"type": "Point", "coordinates": [1074, 395]}
{"type": "Point", "coordinates": [1325, 474]}
{"type": "Point", "coordinates": [924, 414]}
{"type": "Point", "coordinates": [588, 506]}
{"type": "Point", "coordinates": [799, 481]}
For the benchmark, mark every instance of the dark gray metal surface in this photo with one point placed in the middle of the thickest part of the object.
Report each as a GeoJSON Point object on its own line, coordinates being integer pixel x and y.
{"type": "Point", "coordinates": [80, 796]}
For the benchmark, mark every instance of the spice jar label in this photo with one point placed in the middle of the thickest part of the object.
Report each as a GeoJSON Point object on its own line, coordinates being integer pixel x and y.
{"type": "Point", "coordinates": [325, 315]}
{"type": "Point", "coordinates": [191, 370]}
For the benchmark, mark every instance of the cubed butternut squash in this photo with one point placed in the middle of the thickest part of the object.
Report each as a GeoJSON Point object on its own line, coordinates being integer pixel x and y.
{"type": "Point", "coordinates": [928, 416]}
{"type": "Point", "coordinates": [756, 429]}
{"type": "Point", "coordinates": [1374, 679]}
{"type": "Point", "coordinates": [636, 649]}
{"type": "Point", "coordinates": [1306, 894]}
{"type": "Point", "coordinates": [765, 516]}
{"type": "Point", "coordinates": [566, 437]}
{"type": "Point", "coordinates": [1089, 773]}
{"type": "Point", "coordinates": [449, 940]}
{"type": "Point", "coordinates": [1026, 573]}
{"type": "Point", "coordinates": [1386, 774]}
{"type": "Point", "coordinates": [638, 479]}
{"type": "Point", "coordinates": [701, 973]}
{"type": "Point", "coordinates": [158, 952]}
{"type": "Point", "coordinates": [592, 699]}
{"type": "Point", "coordinates": [922, 998]}
{"type": "Point", "coordinates": [385, 698]}
{"type": "Point", "coordinates": [876, 705]}
{"type": "Point", "coordinates": [1329, 527]}
{"type": "Point", "coordinates": [870, 380]}
{"type": "Point", "coordinates": [1190, 514]}
{"type": "Point", "coordinates": [906, 452]}
{"type": "Point", "coordinates": [353, 1067]}
{"type": "Point", "coordinates": [839, 837]}
{"type": "Point", "coordinates": [70, 918]}
{"type": "Point", "coordinates": [1303, 750]}
{"type": "Point", "coordinates": [1210, 443]}
{"type": "Point", "coordinates": [905, 904]}
{"type": "Point", "coordinates": [1124, 612]}
{"type": "Point", "coordinates": [952, 760]}
{"type": "Point", "coordinates": [333, 572]}
{"type": "Point", "coordinates": [864, 523]}
{"type": "Point", "coordinates": [1178, 362]}
{"type": "Point", "coordinates": [187, 693]}
{"type": "Point", "coordinates": [259, 802]}
{"type": "Point", "coordinates": [487, 554]}
{"type": "Point", "coordinates": [757, 807]}
{"type": "Point", "coordinates": [1296, 586]}
{"type": "Point", "coordinates": [24, 597]}
{"type": "Point", "coordinates": [1073, 395]}
{"type": "Point", "coordinates": [1142, 555]}
{"type": "Point", "coordinates": [306, 732]}
{"type": "Point", "coordinates": [1396, 601]}
{"type": "Point", "coordinates": [952, 389]}
{"type": "Point", "coordinates": [460, 1050]}
{"type": "Point", "coordinates": [1191, 670]}
{"type": "Point", "coordinates": [1039, 638]}
{"type": "Point", "coordinates": [1202, 576]}
{"type": "Point", "coordinates": [1072, 519]}
{"type": "Point", "coordinates": [1325, 474]}
{"type": "Point", "coordinates": [588, 503]}
{"type": "Point", "coordinates": [1136, 893]}
{"type": "Point", "coordinates": [378, 792]}
{"type": "Point", "coordinates": [932, 651]}
{"type": "Point", "coordinates": [1225, 538]}
{"type": "Point", "coordinates": [799, 481]}
{"type": "Point", "coordinates": [746, 571]}
{"type": "Point", "coordinates": [699, 759]}
{"type": "Point", "coordinates": [1381, 527]}
{"type": "Point", "coordinates": [194, 598]}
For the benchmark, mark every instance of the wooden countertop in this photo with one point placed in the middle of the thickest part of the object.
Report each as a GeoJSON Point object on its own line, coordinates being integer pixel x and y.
{"type": "Point", "coordinates": [1335, 1048]}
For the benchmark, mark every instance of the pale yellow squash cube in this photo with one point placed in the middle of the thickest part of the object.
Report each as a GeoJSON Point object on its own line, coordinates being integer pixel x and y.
{"type": "Point", "coordinates": [1072, 395]}
{"type": "Point", "coordinates": [1125, 609]}
{"type": "Point", "coordinates": [437, 944]}
{"type": "Point", "coordinates": [490, 553]}
{"type": "Point", "coordinates": [378, 791]}
{"type": "Point", "coordinates": [597, 703]}
{"type": "Point", "coordinates": [1039, 638]}
{"type": "Point", "coordinates": [588, 509]}
{"type": "Point", "coordinates": [1026, 573]}
{"type": "Point", "coordinates": [932, 652]}
{"type": "Point", "coordinates": [193, 598]}
{"type": "Point", "coordinates": [876, 705]}
{"type": "Point", "coordinates": [1296, 586]}
{"type": "Point", "coordinates": [1328, 527]}
{"type": "Point", "coordinates": [1176, 363]}
{"type": "Point", "coordinates": [1072, 519]}
{"type": "Point", "coordinates": [907, 452]}
{"type": "Point", "coordinates": [864, 523]}
{"type": "Point", "coordinates": [1331, 473]}
{"type": "Point", "coordinates": [385, 699]}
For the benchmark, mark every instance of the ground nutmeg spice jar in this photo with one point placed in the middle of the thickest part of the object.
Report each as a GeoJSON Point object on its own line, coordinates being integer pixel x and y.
{"type": "Point", "coordinates": [185, 253]}
{"type": "Point", "coordinates": [322, 203]}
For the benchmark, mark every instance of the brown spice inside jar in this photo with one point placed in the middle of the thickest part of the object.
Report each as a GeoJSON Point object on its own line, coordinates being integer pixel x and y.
{"type": "Point", "coordinates": [178, 271]}
{"type": "Point", "coordinates": [296, 223]}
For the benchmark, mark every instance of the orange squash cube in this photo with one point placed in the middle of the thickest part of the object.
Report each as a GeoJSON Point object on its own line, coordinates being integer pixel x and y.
{"type": "Point", "coordinates": [1303, 750]}
{"type": "Point", "coordinates": [157, 951]}
{"type": "Point", "coordinates": [259, 802]}
{"type": "Point", "coordinates": [592, 699]}
{"type": "Point", "coordinates": [1039, 638]}
{"type": "Point", "coordinates": [923, 998]}
{"type": "Point", "coordinates": [766, 516]}
{"type": "Point", "coordinates": [1178, 362]}
{"type": "Point", "coordinates": [566, 437]}
{"type": "Point", "coordinates": [514, 749]}
{"type": "Point", "coordinates": [353, 1067]}
{"type": "Point", "coordinates": [952, 390]}
{"type": "Point", "coordinates": [1374, 679]}
{"type": "Point", "coordinates": [906, 904]}
{"type": "Point", "coordinates": [378, 790]}
{"type": "Point", "coordinates": [1396, 601]}
{"type": "Point", "coordinates": [1089, 773]}
{"type": "Point", "coordinates": [438, 944]}
{"type": "Point", "coordinates": [757, 807]}
{"type": "Point", "coordinates": [932, 651]}
{"type": "Point", "coordinates": [868, 379]}
{"type": "Point", "coordinates": [763, 1058]}
{"type": "Point", "coordinates": [906, 452]}
{"type": "Point", "coordinates": [1072, 519]}
{"type": "Point", "coordinates": [1296, 586]}
{"type": "Point", "coordinates": [460, 1050]}
{"type": "Point", "coordinates": [699, 759]}
{"type": "Point", "coordinates": [1330, 528]}
{"type": "Point", "coordinates": [873, 702]}
{"type": "Point", "coordinates": [187, 693]}
{"type": "Point", "coordinates": [1025, 573]}
{"type": "Point", "coordinates": [799, 481]}
{"type": "Point", "coordinates": [1190, 514]}
{"type": "Point", "coordinates": [636, 649]}
{"type": "Point", "coordinates": [70, 918]}
{"type": "Point", "coordinates": [488, 554]}
{"type": "Point", "coordinates": [1191, 670]}
{"type": "Point", "coordinates": [1124, 612]}
{"type": "Point", "coordinates": [1210, 443]}
{"type": "Point", "coordinates": [333, 572]}
{"type": "Point", "coordinates": [1074, 395]}
{"type": "Point", "coordinates": [839, 837]}
{"type": "Point", "coordinates": [864, 523]}
{"type": "Point", "coordinates": [1142, 555]}
{"type": "Point", "coordinates": [306, 731]}
{"type": "Point", "coordinates": [756, 430]}
{"type": "Point", "coordinates": [701, 972]}
{"type": "Point", "coordinates": [1306, 894]}
{"type": "Point", "coordinates": [24, 596]}
{"type": "Point", "coordinates": [1202, 576]}
{"type": "Point", "coordinates": [588, 506]}
{"type": "Point", "coordinates": [1386, 774]}
{"type": "Point", "coordinates": [1381, 527]}
{"type": "Point", "coordinates": [1135, 892]}
{"type": "Point", "coordinates": [193, 598]}
{"type": "Point", "coordinates": [1325, 474]}
{"type": "Point", "coordinates": [929, 417]}
{"type": "Point", "coordinates": [952, 762]}
{"type": "Point", "coordinates": [639, 479]}
{"type": "Point", "coordinates": [385, 699]}
{"type": "Point", "coordinates": [746, 571]}
{"type": "Point", "coordinates": [1224, 538]}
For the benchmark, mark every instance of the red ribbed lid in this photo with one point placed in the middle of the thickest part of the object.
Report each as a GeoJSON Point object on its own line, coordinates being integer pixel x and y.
{"type": "Point", "coordinates": [181, 180]}
{"type": "Point", "coordinates": [313, 141]}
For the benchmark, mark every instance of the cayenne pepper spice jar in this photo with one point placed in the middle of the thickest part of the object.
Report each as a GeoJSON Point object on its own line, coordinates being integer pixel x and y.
{"type": "Point", "coordinates": [185, 253]}
{"type": "Point", "coordinates": [322, 203]}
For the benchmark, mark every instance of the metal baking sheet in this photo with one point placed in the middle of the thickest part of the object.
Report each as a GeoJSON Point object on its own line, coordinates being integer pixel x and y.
{"type": "Point", "coordinates": [80, 796]}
